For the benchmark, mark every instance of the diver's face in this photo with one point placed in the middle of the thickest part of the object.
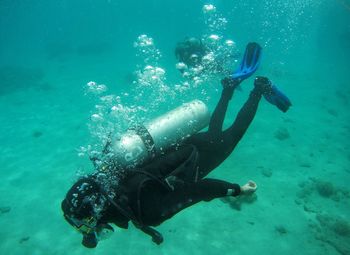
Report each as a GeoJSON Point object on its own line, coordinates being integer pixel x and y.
{"type": "Point", "coordinates": [84, 226]}
{"type": "Point", "coordinates": [92, 231]}
{"type": "Point", "coordinates": [82, 208]}
{"type": "Point", "coordinates": [87, 227]}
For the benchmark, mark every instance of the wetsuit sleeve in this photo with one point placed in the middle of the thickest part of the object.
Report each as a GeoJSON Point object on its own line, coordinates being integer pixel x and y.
{"type": "Point", "coordinates": [158, 206]}
{"type": "Point", "coordinates": [156, 236]}
{"type": "Point", "coordinates": [120, 224]}
{"type": "Point", "coordinates": [236, 190]}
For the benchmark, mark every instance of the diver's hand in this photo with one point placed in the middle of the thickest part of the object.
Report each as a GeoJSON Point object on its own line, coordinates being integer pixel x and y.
{"type": "Point", "coordinates": [248, 188]}
{"type": "Point", "coordinates": [157, 238]}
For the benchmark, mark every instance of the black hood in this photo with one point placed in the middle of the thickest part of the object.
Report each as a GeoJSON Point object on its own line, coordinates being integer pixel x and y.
{"type": "Point", "coordinates": [81, 198]}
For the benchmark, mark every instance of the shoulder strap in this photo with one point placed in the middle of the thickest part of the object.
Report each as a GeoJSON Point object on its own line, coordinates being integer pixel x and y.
{"type": "Point", "coordinates": [126, 211]}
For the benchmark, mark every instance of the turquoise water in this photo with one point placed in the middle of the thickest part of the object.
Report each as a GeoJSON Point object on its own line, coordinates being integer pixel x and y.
{"type": "Point", "coordinates": [50, 50]}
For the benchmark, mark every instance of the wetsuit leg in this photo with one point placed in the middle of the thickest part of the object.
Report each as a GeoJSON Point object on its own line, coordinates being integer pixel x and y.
{"type": "Point", "coordinates": [243, 120]}
{"type": "Point", "coordinates": [160, 206]}
{"type": "Point", "coordinates": [218, 116]}
{"type": "Point", "coordinates": [215, 147]}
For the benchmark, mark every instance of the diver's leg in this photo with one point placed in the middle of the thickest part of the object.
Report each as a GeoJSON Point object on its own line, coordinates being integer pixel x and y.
{"type": "Point", "coordinates": [210, 144]}
{"type": "Point", "coordinates": [247, 113]}
{"type": "Point", "coordinates": [218, 116]}
{"type": "Point", "coordinates": [244, 118]}
{"type": "Point", "coordinates": [213, 150]}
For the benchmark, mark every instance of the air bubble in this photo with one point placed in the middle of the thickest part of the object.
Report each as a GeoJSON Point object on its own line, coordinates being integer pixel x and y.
{"type": "Point", "coordinates": [207, 8]}
{"type": "Point", "coordinates": [181, 66]}
{"type": "Point", "coordinates": [229, 43]}
{"type": "Point", "coordinates": [214, 37]}
{"type": "Point", "coordinates": [96, 117]}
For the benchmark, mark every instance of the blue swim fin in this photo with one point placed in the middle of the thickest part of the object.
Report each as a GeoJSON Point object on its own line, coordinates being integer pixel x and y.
{"type": "Point", "coordinates": [276, 97]}
{"type": "Point", "coordinates": [250, 62]}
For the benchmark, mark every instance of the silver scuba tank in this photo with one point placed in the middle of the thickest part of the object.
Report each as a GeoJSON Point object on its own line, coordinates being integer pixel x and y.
{"type": "Point", "coordinates": [145, 142]}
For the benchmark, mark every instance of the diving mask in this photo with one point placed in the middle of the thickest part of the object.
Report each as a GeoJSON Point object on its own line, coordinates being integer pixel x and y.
{"type": "Point", "coordinates": [92, 232]}
{"type": "Point", "coordinates": [84, 226]}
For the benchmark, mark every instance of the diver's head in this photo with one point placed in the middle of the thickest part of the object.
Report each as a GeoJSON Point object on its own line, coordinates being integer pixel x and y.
{"type": "Point", "coordinates": [194, 42]}
{"type": "Point", "coordinates": [190, 51]}
{"type": "Point", "coordinates": [83, 207]}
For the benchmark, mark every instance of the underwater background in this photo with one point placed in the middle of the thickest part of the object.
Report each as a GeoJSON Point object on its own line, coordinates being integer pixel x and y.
{"type": "Point", "coordinates": [51, 119]}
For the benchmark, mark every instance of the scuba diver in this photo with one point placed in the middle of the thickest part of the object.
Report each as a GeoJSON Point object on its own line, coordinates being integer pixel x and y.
{"type": "Point", "coordinates": [197, 56]}
{"type": "Point", "coordinates": [191, 51]}
{"type": "Point", "coordinates": [152, 193]}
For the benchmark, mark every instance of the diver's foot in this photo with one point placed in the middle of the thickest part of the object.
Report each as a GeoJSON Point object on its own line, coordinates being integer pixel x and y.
{"type": "Point", "coordinates": [229, 82]}
{"type": "Point", "coordinates": [271, 93]}
{"type": "Point", "coordinates": [263, 85]}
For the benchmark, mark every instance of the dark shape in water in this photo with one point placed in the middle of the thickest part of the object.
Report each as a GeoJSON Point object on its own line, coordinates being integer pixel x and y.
{"type": "Point", "coordinates": [335, 231]}
{"type": "Point", "coordinates": [325, 189]}
{"type": "Point", "coordinates": [332, 112]}
{"type": "Point", "coordinates": [93, 49]}
{"type": "Point", "coordinates": [37, 134]}
{"type": "Point", "coordinates": [59, 51]}
{"type": "Point", "coordinates": [62, 51]}
{"type": "Point", "coordinates": [341, 227]}
{"type": "Point", "coordinates": [282, 134]}
{"type": "Point", "coordinates": [266, 172]}
{"type": "Point", "coordinates": [13, 78]}
{"type": "Point", "coordinates": [24, 239]}
{"type": "Point", "coordinates": [5, 209]}
{"type": "Point", "coordinates": [281, 229]}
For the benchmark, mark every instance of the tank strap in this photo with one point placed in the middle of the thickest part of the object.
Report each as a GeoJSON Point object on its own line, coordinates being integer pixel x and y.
{"type": "Point", "coordinates": [152, 177]}
{"type": "Point", "coordinates": [128, 213]}
{"type": "Point", "coordinates": [146, 138]}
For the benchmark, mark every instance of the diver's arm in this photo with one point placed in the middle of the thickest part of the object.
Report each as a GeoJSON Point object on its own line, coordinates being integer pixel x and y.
{"type": "Point", "coordinates": [156, 236]}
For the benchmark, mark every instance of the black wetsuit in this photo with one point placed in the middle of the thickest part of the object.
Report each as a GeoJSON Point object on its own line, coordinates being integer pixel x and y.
{"type": "Point", "coordinates": [151, 200]}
